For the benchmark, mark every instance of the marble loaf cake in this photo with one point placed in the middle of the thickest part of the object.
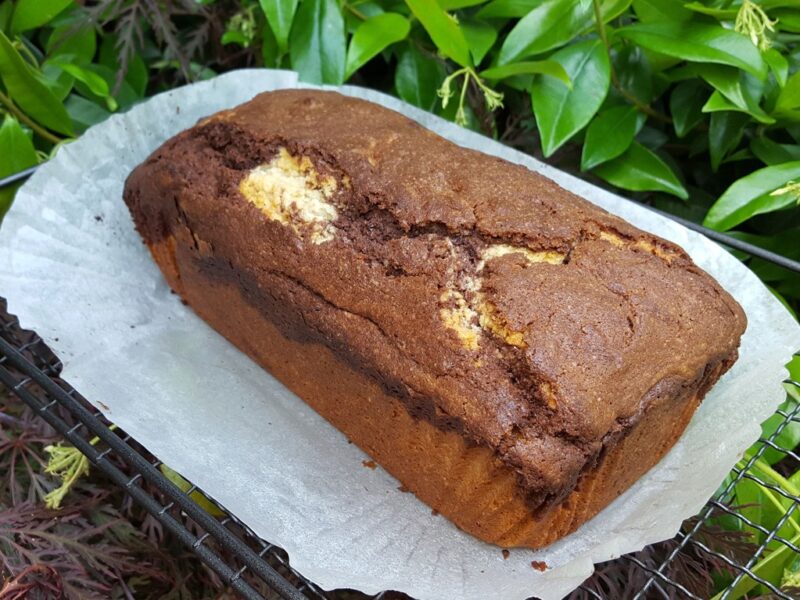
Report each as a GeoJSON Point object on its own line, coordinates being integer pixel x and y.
{"type": "Point", "coordinates": [515, 356]}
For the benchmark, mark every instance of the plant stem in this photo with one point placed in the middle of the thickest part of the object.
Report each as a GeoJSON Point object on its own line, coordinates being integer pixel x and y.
{"type": "Point", "coordinates": [355, 11]}
{"type": "Point", "coordinates": [41, 131]}
{"type": "Point", "coordinates": [638, 104]}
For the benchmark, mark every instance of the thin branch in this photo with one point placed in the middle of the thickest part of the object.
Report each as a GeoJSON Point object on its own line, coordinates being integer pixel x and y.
{"type": "Point", "coordinates": [12, 108]}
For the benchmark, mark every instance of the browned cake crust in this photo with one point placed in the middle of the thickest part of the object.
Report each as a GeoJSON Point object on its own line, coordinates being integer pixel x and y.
{"type": "Point", "coordinates": [514, 355]}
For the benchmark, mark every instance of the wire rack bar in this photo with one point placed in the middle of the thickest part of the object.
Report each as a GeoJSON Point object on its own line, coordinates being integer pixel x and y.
{"type": "Point", "coordinates": [13, 357]}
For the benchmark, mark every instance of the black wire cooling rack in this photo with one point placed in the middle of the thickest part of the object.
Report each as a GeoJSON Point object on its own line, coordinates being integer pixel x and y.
{"type": "Point", "coordinates": [256, 569]}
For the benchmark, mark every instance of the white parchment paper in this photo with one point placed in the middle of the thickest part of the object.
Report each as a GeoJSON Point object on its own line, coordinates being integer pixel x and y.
{"type": "Point", "coordinates": [73, 268]}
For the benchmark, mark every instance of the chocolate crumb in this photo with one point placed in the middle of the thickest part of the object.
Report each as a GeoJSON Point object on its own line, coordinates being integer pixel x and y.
{"type": "Point", "coordinates": [103, 406]}
{"type": "Point", "coordinates": [98, 218]}
{"type": "Point", "coordinates": [370, 464]}
{"type": "Point", "coordinates": [539, 565]}
{"type": "Point", "coordinates": [506, 554]}
{"type": "Point", "coordinates": [403, 489]}
{"type": "Point", "coordinates": [434, 512]}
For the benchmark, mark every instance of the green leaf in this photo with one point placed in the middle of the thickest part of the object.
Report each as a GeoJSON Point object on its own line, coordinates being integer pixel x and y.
{"type": "Point", "coordinates": [724, 134]}
{"type": "Point", "coordinates": [641, 170]}
{"type": "Point", "coordinates": [480, 36]}
{"type": "Point", "coordinates": [136, 76]}
{"type": "Point", "coordinates": [444, 31]}
{"type": "Point", "coordinates": [723, 14]}
{"type": "Point", "coordinates": [456, 4]}
{"type": "Point", "coordinates": [280, 14]}
{"type": "Point", "coordinates": [372, 36]}
{"type": "Point", "coordinates": [653, 11]}
{"type": "Point", "coordinates": [538, 67]}
{"type": "Point", "coordinates": [18, 153]}
{"type": "Point", "coordinates": [685, 105]}
{"type": "Point", "coordinates": [772, 153]}
{"type": "Point", "coordinates": [634, 72]}
{"type": "Point", "coordinates": [719, 103]}
{"type": "Point", "coordinates": [82, 44]}
{"type": "Point", "coordinates": [270, 53]}
{"type": "Point", "coordinates": [698, 42]}
{"type": "Point", "coordinates": [788, 19]}
{"type": "Point", "coordinates": [418, 77]}
{"type": "Point", "coordinates": [788, 438]}
{"type": "Point", "coordinates": [561, 111]}
{"type": "Point", "coordinates": [84, 113]}
{"type": "Point", "coordinates": [57, 80]}
{"type": "Point", "coordinates": [608, 135]}
{"type": "Point", "coordinates": [508, 8]}
{"type": "Point", "coordinates": [750, 196]}
{"type": "Point", "coordinates": [30, 14]}
{"type": "Point", "coordinates": [183, 485]}
{"type": "Point", "coordinates": [778, 65]}
{"type": "Point", "coordinates": [30, 94]}
{"type": "Point", "coordinates": [317, 48]}
{"type": "Point", "coordinates": [789, 98]}
{"type": "Point", "coordinates": [549, 25]}
{"type": "Point", "coordinates": [93, 81]}
{"type": "Point", "coordinates": [740, 89]}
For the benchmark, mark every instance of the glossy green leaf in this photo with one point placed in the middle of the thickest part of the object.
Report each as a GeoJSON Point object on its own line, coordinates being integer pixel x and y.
{"type": "Point", "coordinates": [789, 437]}
{"type": "Point", "coordinates": [788, 19]}
{"type": "Point", "coordinates": [56, 80]}
{"type": "Point", "coordinates": [270, 53]}
{"type": "Point", "coordinates": [183, 485]}
{"type": "Point", "coordinates": [641, 170]}
{"type": "Point", "coordinates": [84, 113]}
{"type": "Point", "coordinates": [608, 136]}
{"type": "Point", "coordinates": [29, 14]}
{"type": "Point", "coordinates": [653, 11]}
{"type": "Point", "coordinates": [537, 67]}
{"type": "Point", "coordinates": [136, 76]}
{"type": "Point", "coordinates": [6, 12]}
{"type": "Point", "coordinates": [480, 36]}
{"type": "Point", "coordinates": [444, 31]}
{"type": "Point", "coordinates": [280, 14]}
{"type": "Point", "coordinates": [724, 134]}
{"type": "Point", "coordinates": [561, 111]}
{"type": "Point", "coordinates": [508, 9]}
{"type": "Point", "coordinates": [719, 103]}
{"type": "Point", "coordinates": [549, 25]}
{"type": "Point", "coordinates": [685, 104]}
{"type": "Point", "coordinates": [697, 42]}
{"type": "Point", "coordinates": [18, 153]}
{"type": "Point", "coordinates": [789, 98]}
{"type": "Point", "coordinates": [456, 4]}
{"type": "Point", "coordinates": [778, 65]}
{"type": "Point", "coordinates": [751, 195]}
{"type": "Point", "coordinates": [317, 42]}
{"type": "Point", "coordinates": [634, 72]}
{"type": "Point", "coordinates": [772, 153]}
{"type": "Point", "coordinates": [82, 44]}
{"type": "Point", "coordinates": [30, 94]}
{"type": "Point", "coordinates": [726, 14]}
{"type": "Point", "coordinates": [125, 97]}
{"type": "Point", "coordinates": [93, 81]}
{"type": "Point", "coordinates": [740, 89]}
{"type": "Point", "coordinates": [372, 36]}
{"type": "Point", "coordinates": [418, 77]}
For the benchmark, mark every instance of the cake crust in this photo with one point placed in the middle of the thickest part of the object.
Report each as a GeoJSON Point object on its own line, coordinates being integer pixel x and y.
{"type": "Point", "coordinates": [478, 311]}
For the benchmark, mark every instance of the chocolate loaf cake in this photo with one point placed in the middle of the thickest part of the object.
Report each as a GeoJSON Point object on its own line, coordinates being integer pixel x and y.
{"type": "Point", "coordinates": [514, 355]}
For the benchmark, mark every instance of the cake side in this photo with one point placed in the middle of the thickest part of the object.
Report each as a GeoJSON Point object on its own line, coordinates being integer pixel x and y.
{"type": "Point", "coordinates": [489, 301]}
{"type": "Point", "coordinates": [464, 482]}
